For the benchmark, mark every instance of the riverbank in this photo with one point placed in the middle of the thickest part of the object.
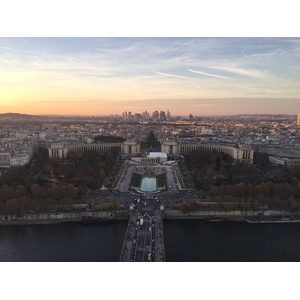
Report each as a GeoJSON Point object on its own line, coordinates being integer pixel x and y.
{"type": "Point", "coordinates": [56, 218]}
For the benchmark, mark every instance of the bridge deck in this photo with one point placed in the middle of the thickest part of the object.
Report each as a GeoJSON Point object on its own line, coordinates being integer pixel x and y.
{"type": "Point", "coordinates": [144, 239]}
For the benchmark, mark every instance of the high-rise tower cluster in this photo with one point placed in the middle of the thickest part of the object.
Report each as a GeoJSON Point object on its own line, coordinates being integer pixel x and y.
{"type": "Point", "coordinates": [145, 116]}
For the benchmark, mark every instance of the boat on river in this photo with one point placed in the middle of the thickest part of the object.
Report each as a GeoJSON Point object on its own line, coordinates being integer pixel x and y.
{"type": "Point", "coordinates": [214, 219]}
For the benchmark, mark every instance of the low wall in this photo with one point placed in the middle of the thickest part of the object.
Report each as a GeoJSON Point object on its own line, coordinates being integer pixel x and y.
{"type": "Point", "coordinates": [60, 217]}
{"type": "Point", "coordinates": [231, 215]}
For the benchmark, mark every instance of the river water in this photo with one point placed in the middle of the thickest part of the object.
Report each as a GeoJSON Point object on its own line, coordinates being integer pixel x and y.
{"type": "Point", "coordinates": [185, 241]}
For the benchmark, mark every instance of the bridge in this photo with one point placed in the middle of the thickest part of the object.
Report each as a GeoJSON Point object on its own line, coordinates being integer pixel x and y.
{"type": "Point", "coordinates": [144, 239]}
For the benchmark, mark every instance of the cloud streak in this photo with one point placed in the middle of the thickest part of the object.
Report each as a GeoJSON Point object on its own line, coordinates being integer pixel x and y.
{"type": "Point", "coordinates": [244, 72]}
{"type": "Point", "coordinates": [246, 87]}
{"type": "Point", "coordinates": [208, 74]}
{"type": "Point", "coordinates": [8, 48]}
{"type": "Point", "coordinates": [171, 75]}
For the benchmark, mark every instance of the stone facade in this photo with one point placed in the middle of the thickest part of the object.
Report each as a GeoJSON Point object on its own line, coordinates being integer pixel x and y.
{"type": "Point", "coordinates": [61, 150]}
{"type": "Point", "coordinates": [172, 147]}
{"type": "Point", "coordinates": [169, 146]}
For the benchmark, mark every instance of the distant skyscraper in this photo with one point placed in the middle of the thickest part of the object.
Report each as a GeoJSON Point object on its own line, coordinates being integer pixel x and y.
{"type": "Point", "coordinates": [168, 115]}
{"type": "Point", "coordinates": [162, 116]}
{"type": "Point", "coordinates": [155, 115]}
{"type": "Point", "coordinates": [145, 115]}
{"type": "Point", "coordinates": [298, 119]}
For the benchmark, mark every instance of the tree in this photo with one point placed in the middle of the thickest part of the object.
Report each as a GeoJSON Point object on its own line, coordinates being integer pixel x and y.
{"type": "Point", "coordinates": [250, 189]}
{"type": "Point", "coordinates": [215, 191]}
{"type": "Point", "coordinates": [239, 190]}
{"type": "Point", "coordinates": [7, 192]}
{"type": "Point", "coordinates": [90, 195]}
{"type": "Point", "coordinates": [280, 190]}
{"type": "Point", "coordinates": [21, 191]}
{"type": "Point", "coordinates": [71, 191]}
{"type": "Point", "coordinates": [12, 205]}
{"type": "Point", "coordinates": [231, 206]}
{"type": "Point", "coordinates": [72, 155]}
{"type": "Point", "coordinates": [48, 169]}
{"type": "Point", "coordinates": [192, 206]}
{"type": "Point", "coordinates": [80, 190]}
{"type": "Point", "coordinates": [2, 206]}
{"type": "Point", "coordinates": [115, 205]}
{"type": "Point", "coordinates": [202, 194]}
{"type": "Point", "coordinates": [26, 203]}
{"type": "Point", "coordinates": [294, 205]}
{"type": "Point", "coordinates": [209, 173]}
{"type": "Point", "coordinates": [256, 206]}
{"type": "Point", "coordinates": [55, 192]}
{"type": "Point", "coordinates": [101, 174]}
{"type": "Point", "coordinates": [243, 205]}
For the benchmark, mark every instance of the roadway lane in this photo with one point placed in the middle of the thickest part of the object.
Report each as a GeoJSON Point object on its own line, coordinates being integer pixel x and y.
{"type": "Point", "coordinates": [144, 239]}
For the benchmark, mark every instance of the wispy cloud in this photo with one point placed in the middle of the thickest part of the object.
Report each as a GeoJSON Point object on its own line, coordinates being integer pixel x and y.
{"type": "Point", "coordinates": [171, 75]}
{"type": "Point", "coordinates": [246, 87]}
{"type": "Point", "coordinates": [245, 72]}
{"type": "Point", "coordinates": [208, 74]}
{"type": "Point", "coordinates": [7, 48]}
{"type": "Point", "coordinates": [266, 91]}
{"type": "Point", "coordinates": [273, 92]}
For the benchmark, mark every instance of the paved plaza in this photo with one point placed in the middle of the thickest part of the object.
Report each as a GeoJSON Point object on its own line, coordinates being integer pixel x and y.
{"type": "Point", "coordinates": [125, 178]}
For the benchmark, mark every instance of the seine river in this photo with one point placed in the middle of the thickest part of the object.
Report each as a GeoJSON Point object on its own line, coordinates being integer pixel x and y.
{"type": "Point", "coordinates": [185, 241]}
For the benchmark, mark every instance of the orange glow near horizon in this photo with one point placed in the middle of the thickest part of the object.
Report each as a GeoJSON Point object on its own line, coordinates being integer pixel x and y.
{"type": "Point", "coordinates": [199, 76]}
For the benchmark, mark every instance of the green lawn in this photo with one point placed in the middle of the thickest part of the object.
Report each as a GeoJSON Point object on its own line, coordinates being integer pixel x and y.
{"type": "Point", "coordinates": [162, 180]}
{"type": "Point", "coordinates": [135, 180]}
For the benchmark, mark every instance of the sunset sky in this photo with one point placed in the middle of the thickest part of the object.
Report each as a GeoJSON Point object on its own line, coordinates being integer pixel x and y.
{"type": "Point", "coordinates": [101, 76]}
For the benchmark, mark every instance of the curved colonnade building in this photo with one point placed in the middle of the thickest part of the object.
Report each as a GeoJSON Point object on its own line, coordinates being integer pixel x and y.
{"type": "Point", "coordinates": [238, 153]}
{"type": "Point", "coordinates": [169, 146]}
{"type": "Point", "coordinates": [61, 150]}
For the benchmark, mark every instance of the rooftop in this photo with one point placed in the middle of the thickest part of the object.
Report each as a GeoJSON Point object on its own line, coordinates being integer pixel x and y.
{"type": "Point", "coordinates": [157, 154]}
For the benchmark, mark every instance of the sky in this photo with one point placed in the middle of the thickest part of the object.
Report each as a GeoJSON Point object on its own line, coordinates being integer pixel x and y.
{"type": "Point", "coordinates": [103, 76]}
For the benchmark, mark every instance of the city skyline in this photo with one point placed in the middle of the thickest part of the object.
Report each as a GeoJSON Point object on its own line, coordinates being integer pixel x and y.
{"type": "Point", "coordinates": [103, 76]}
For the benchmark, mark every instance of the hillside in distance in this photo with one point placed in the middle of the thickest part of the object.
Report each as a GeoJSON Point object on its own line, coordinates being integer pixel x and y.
{"type": "Point", "coordinates": [12, 118]}
{"type": "Point", "coordinates": [17, 118]}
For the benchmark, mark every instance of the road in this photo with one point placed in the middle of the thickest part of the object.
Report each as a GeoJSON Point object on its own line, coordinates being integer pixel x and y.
{"type": "Point", "coordinates": [144, 244]}
{"type": "Point", "coordinates": [144, 240]}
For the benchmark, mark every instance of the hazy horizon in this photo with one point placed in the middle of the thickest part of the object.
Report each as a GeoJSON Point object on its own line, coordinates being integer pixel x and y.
{"type": "Point", "coordinates": [172, 116]}
{"type": "Point", "coordinates": [104, 76]}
